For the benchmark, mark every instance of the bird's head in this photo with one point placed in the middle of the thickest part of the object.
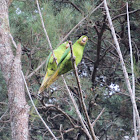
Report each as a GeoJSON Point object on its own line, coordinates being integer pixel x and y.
{"type": "Point", "coordinates": [83, 40]}
{"type": "Point", "coordinates": [67, 45]}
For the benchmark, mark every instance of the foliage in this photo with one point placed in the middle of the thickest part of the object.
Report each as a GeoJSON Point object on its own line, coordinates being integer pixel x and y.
{"type": "Point", "coordinates": [60, 17]}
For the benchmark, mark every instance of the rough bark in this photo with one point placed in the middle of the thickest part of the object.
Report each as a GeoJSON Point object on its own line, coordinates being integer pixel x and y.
{"type": "Point", "coordinates": [11, 68]}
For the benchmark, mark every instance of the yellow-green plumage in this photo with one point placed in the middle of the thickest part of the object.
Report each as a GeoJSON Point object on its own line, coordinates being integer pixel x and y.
{"type": "Point", "coordinates": [51, 66]}
{"type": "Point", "coordinates": [65, 63]}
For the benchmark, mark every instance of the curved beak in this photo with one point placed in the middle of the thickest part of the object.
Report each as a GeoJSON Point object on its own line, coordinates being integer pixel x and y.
{"type": "Point", "coordinates": [84, 39]}
{"type": "Point", "coordinates": [67, 46]}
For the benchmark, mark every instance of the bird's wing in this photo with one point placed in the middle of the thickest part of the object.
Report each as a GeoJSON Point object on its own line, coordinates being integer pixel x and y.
{"type": "Point", "coordinates": [64, 56]}
{"type": "Point", "coordinates": [48, 60]}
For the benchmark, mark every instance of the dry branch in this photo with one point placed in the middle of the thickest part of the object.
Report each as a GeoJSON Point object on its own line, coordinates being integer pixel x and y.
{"type": "Point", "coordinates": [47, 37]}
{"type": "Point", "coordinates": [77, 110]}
{"type": "Point", "coordinates": [74, 5]}
{"type": "Point", "coordinates": [81, 95]}
{"type": "Point", "coordinates": [122, 63]}
{"type": "Point", "coordinates": [98, 117]}
{"type": "Point", "coordinates": [71, 120]}
{"type": "Point", "coordinates": [124, 14]}
{"type": "Point", "coordinates": [37, 110]}
{"type": "Point", "coordinates": [60, 110]}
{"type": "Point", "coordinates": [133, 76]}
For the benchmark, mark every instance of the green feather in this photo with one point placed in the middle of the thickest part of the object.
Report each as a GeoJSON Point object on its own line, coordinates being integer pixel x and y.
{"type": "Point", "coordinates": [78, 48]}
{"type": "Point", "coordinates": [65, 63]}
{"type": "Point", "coordinates": [51, 66]}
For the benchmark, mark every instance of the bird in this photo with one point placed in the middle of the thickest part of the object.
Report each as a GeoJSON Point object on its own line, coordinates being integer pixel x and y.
{"type": "Point", "coordinates": [65, 64]}
{"type": "Point", "coordinates": [51, 65]}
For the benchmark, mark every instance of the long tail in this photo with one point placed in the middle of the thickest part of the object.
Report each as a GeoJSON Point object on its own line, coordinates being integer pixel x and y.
{"type": "Point", "coordinates": [53, 78]}
{"type": "Point", "coordinates": [48, 80]}
{"type": "Point", "coordinates": [44, 83]}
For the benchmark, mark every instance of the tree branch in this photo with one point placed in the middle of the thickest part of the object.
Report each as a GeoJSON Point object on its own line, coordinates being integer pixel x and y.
{"type": "Point", "coordinates": [66, 115]}
{"type": "Point", "coordinates": [60, 110]}
{"type": "Point", "coordinates": [47, 37]}
{"type": "Point", "coordinates": [127, 81]}
{"type": "Point", "coordinates": [124, 14]}
{"type": "Point", "coordinates": [77, 110]}
{"type": "Point", "coordinates": [75, 6]}
{"type": "Point", "coordinates": [81, 95]}
{"type": "Point", "coordinates": [98, 117]}
{"type": "Point", "coordinates": [100, 34]}
{"type": "Point", "coordinates": [133, 76]}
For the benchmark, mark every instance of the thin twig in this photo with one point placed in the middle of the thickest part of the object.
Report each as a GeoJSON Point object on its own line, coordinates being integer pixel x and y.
{"type": "Point", "coordinates": [31, 74]}
{"type": "Point", "coordinates": [122, 63]}
{"type": "Point", "coordinates": [98, 117]}
{"type": "Point", "coordinates": [61, 132]}
{"type": "Point", "coordinates": [36, 109]}
{"type": "Point", "coordinates": [81, 95]}
{"type": "Point", "coordinates": [67, 116]}
{"type": "Point", "coordinates": [31, 97]}
{"type": "Point", "coordinates": [60, 110]}
{"type": "Point", "coordinates": [47, 37]}
{"type": "Point", "coordinates": [124, 14]}
{"type": "Point", "coordinates": [131, 54]}
{"type": "Point", "coordinates": [75, 6]}
{"type": "Point", "coordinates": [4, 114]}
{"type": "Point", "coordinates": [85, 57]}
{"type": "Point", "coordinates": [92, 11]}
{"type": "Point", "coordinates": [123, 93]}
{"type": "Point", "coordinates": [77, 110]}
{"type": "Point", "coordinates": [133, 76]}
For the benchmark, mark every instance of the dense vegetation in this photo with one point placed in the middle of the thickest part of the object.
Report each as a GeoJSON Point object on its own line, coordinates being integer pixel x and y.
{"type": "Point", "coordinates": [100, 72]}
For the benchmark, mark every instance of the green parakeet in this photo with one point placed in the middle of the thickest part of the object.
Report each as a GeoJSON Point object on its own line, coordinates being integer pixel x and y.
{"type": "Point", "coordinates": [51, 66]}
{"type": "Point", "coordinates": [65, 63]}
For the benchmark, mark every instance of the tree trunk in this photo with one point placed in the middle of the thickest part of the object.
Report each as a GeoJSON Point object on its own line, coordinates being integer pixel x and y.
{"type": "Point", "coordinates": [11, 69]}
